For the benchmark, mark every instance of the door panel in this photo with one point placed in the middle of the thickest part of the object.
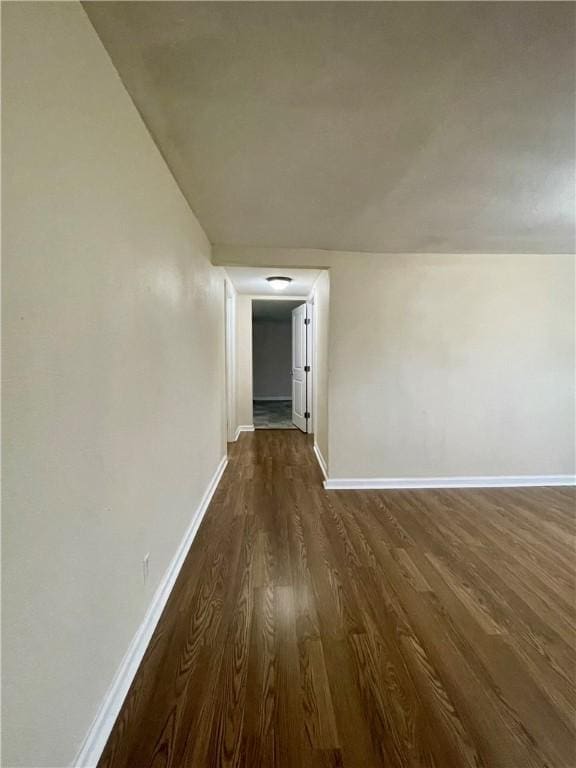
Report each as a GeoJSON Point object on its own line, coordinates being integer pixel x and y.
{"type": "Point", "coordinates": [298, 365]}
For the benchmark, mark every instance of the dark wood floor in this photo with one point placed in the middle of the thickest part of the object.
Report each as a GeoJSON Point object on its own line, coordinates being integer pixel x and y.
{"type": "Point", "coordinates": [361, 629]}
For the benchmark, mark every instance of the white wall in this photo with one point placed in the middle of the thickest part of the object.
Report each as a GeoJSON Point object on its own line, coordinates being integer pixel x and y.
{"type": "Point", "coordinates": [230, 360]}
{"type": "Point", "coordinates": [113, 366]}
{"type": "Point", "coordinates": [272, 358]}
{"type": "Point", "coordinates": [244, 408]}
{"type": "Point", "coordinates": [444, 365]}
{"type": "Point", "coordinates": [452, 366]}
{"type": "Point", "coordinates": [321, 301]}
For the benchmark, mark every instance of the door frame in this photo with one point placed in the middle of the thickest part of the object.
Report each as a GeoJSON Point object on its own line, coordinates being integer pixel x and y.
{"type": "Point", "coordinates": [300, 369]}
{"type": "Point", "coordinates": [309, 363]}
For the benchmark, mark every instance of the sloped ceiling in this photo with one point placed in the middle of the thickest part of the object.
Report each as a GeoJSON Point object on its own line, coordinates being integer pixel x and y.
{"type": "Point", "coordinates": [393, 127]}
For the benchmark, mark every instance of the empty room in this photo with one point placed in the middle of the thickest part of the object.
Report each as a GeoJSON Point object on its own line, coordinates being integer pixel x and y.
{"type": "Point", "coordinates": [288, 384]}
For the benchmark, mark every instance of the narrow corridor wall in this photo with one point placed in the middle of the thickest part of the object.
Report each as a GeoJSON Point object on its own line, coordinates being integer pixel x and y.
{"type": "Point", "coordinates": [321, 300]}
{"type": "Point", "coordinates": [113, 376]}
{"type": "Point", "coordinates": [244, 386]}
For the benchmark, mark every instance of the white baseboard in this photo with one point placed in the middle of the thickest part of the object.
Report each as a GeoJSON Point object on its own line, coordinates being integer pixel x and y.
{"type": "Point", "coordinates": [99, 731]}
{"type": "Point", "coordinates": [322, 462]}
{"type": "Point", "coordinates": [243, 428]}
{"type": "Point", "coordinates": [496, 481]}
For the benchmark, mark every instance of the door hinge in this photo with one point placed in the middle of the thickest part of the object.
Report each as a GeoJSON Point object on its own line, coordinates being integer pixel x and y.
{"type": "Point", "coordinates": [307, 415]}
{"type": "Point", "coordinates": [307, 369]}
{"type": "Point", "coordinates": [307, 321]}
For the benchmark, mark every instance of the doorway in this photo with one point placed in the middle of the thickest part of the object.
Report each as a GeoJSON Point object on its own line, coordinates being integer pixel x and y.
{"type": "Point", "coordinates": [280, 368]}
{"type": "Point", "coordinates": [254, 305]}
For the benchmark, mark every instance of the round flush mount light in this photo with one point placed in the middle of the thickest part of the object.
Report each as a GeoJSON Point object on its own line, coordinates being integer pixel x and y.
{"type": "Point", "coordinates": [278, 283]}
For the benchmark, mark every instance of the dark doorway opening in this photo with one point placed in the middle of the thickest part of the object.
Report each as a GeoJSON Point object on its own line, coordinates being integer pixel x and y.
{"type": "Point", "coordinates": [272, 363]}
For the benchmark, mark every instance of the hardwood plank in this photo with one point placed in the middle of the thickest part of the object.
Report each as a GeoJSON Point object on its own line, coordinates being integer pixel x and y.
{"type": "Point", "coordinates": [287, 718]}
{"type": "Point", "coordinates": [227, 726]}
{"type": "Point", "coordinates": [259, 720]}
{"type": "Point", "coordinates": [318, 710]}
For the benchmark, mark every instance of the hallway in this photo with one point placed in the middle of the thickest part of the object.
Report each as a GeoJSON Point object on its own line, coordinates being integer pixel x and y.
{"type": "Point", "coordinates": [360, 629]}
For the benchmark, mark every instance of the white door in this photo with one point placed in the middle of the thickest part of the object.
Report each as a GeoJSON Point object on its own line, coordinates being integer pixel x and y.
{"type": "Point", "coordinates": [299, 366]}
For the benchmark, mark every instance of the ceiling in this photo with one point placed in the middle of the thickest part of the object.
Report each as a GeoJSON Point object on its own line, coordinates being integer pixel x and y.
{"type": "Point", "coordinates": [277, 311]}
{"type": "Point", "coordinates": [252, 280]}
{"type": "Point", "coordinates": [393, 127]}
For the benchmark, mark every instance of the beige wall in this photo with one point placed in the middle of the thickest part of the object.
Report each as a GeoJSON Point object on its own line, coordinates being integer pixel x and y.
{"type": "Point", "coordinates": [452, 366]}
{"type": "Point", "coordinates": [230, 360]}
{"type": "Point", "coordinates": [444, 365]}
{"type": "Point", "coordinates": [321, 298]}
{"type": "Point", "coordinates": [244, 409]}
{"type": "Point", "coordinates": [113, 376]}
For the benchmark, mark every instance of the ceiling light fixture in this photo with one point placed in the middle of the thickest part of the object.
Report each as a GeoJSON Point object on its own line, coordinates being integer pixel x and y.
{"type": "Point", "coordinates": [278, 283]}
